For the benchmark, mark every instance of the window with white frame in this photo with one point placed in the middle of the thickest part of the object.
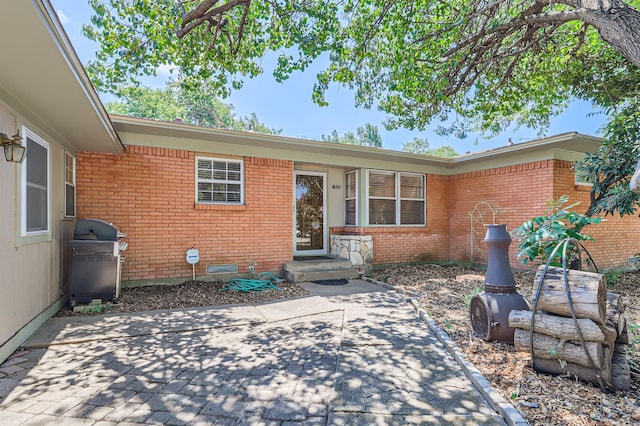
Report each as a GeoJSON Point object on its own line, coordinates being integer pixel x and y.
{"type": "Point", "coordinates": [351, 198]}
{"type": "Point", "coordinates": [35, 185]}
{"type": "Point", "coordinates": [219, 181]}
{"type": "Point", "coordinates": [69, 185]}
{"type": "Point", "coordinates": [395, 198]}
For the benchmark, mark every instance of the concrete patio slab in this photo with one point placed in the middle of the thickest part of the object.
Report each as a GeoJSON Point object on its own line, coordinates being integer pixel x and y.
{"type": "Point", "coordinates": [354, 355]}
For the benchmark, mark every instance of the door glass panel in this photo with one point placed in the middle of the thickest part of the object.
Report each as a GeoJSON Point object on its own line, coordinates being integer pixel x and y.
{"type": "Point", "coordinates": [309, 213]}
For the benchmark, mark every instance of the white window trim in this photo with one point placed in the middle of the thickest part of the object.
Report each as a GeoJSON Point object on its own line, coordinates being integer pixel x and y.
{"type": "Point", "coordinates": [227, 160]}
{"type": "Point", "coordinates": [73, 184]}
{"type": "Point", "coordinates": [23, 190]}
{"type": "Point", "coordinates": [354, 198]}
{"type": "Point", "coordinates": [397, 198]}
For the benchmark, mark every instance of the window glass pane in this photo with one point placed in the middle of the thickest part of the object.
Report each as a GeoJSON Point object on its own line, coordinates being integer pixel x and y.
{"type": "Point", "coordinates": [382, 212]}
{"type": "Point", "coordinates": [36, 187]}
{"type": "Point", "coordinates": [69, 170]}
{"type": "Point", "coordinates": [37, 164]}
{"type": "Point", "coordinates": [69, 185]}
{"type": "Point", "coordinates": [411, 186]}
{"type": "Point", "coordinates": [36, 209]}
{"type": "Point", "coordinates": [412, 212]}
{"type": "Point", "coordinates": [382, 184]}
{"type": "Point", "coordinates": [350, 185]}
{"type": "Point", "coordinates": [350, 212]}
{"type": "Point", "coordinates": [234, 176]}
{"type": "Point", "coordinates": [70, 200]}
{"type": "Point", "coordinates": [204, 169]}
{"type": "Point", "coordinates": [204, 191]}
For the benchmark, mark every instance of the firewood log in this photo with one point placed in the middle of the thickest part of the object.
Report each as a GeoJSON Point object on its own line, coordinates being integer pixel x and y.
{"type": "Point", "coordinates": [547, 347]}
{"type": "Point", "coordinates": [559, 327]}
{"type": "Point", "coordinates": [588, 293]}
{"type": "Point", "coordinates": [553, 366]}
{"type": "Point", "coordinates": [620, 373]}
{"type": "Point", "coordinates": [615, 312]}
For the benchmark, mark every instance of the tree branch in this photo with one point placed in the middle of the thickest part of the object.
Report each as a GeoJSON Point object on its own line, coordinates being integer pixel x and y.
{"type": "Point", "coordinates": [203, 13]}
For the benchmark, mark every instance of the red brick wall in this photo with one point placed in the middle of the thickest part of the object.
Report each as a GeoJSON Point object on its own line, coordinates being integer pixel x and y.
{"type": "Point", "coordinates": [616, 238]}
{"type": "Point", "coordinates": [520, 193]}
{"type": "Point", "coordinates": [149, 194]}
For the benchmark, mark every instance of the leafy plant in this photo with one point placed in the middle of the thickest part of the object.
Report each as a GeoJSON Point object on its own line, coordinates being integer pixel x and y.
{"type": "Point", "coordinates": [467, 299]}
{"type": "Point", "coordinates": [634, 342]}
{"type": "Point", "coordinates": [96, 308]}
{"type": "Point", "coordinates": [539, 236]}
{"type": "Point", "coordinates": [554, 353]}
{"type": "Point", "coordinates": [612, 278]}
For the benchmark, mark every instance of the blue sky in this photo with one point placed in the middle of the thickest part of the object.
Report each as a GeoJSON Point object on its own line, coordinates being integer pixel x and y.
{"type": "Point", "coordinates": [288, 105]}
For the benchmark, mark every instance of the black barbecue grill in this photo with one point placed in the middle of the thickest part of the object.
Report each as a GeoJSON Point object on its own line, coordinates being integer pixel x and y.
{"type": "Point", "coordinates": [96, 261]}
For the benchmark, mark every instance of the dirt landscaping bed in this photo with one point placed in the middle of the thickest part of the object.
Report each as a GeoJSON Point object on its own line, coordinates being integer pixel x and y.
{"type": "Point", "coordinates": [188, 294]}
{"type": "Point", "coordinates": [445, 293]}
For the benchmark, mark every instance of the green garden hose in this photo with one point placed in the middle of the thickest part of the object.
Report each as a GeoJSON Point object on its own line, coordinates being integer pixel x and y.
{"type": "Point", "coordinates": [266, 281]}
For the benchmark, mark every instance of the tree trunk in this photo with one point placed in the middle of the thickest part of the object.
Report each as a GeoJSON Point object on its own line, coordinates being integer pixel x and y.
{"type": "Point", "coordinates": [623, 337]}
{"type": "Point", "coordinates": [588, 294]}
{"type": "Point", "coordinates": [558, 327]}
{"type": "Point", "coordinates": [547, 347]}
{"type": "Point", "coordinates": [616, 22]}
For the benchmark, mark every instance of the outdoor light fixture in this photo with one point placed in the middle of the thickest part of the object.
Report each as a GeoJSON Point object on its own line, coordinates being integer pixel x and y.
{"type": "Point", "coordinates": [13, 151]}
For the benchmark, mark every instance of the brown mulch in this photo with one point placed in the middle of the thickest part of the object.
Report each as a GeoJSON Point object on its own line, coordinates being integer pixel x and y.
{"type": "Point", "coordinates": [188, 294]}
{"type": "Point", "coordinates": [445, 293]}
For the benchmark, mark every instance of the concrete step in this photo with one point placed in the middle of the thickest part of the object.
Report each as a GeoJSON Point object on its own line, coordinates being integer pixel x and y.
{"type": "Point", "coordinates": [329, 263]}
{"type": "Point", "coordinates": [324, 274]}
{"type": "Point", "coordinates": [320, 269]}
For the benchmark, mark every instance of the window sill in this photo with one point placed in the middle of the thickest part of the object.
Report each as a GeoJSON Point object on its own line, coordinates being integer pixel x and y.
{"type": "Point", "coordinates": [220, 207]}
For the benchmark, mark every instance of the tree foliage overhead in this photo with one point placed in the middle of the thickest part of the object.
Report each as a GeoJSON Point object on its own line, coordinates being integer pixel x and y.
{"type": "Point", "coordinates": [366, 135]}
{"type": "Point", "coordinates": [200, 108]}
{"type": "Point", "coordinates": [422, 146]}
{"type": "Point", "coordinates": [611, 167]}
{"type": "Point", "coordinates": [485, 62]}
{"type": "Point", "coordinates": [474, 64]}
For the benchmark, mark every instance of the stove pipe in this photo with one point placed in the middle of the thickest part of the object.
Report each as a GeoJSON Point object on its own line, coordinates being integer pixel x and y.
{"type": "Point", "coordinates": [489, 310]}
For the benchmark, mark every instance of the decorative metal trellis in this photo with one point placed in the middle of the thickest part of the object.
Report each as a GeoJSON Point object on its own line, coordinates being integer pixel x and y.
{"type": "Point", "coordinates": [482, 214]}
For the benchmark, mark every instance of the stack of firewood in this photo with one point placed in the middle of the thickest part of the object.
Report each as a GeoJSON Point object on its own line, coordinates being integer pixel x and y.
{"type": "Point", "coordinates": [557, 347]}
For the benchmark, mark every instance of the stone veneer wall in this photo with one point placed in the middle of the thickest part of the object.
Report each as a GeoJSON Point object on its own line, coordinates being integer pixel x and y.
{"type": "Point", "coordinates": [357, 248]}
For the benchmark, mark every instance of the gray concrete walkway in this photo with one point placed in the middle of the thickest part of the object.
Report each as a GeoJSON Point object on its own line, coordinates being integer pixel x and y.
{"type": "Point", "coordinates": [347, 355]}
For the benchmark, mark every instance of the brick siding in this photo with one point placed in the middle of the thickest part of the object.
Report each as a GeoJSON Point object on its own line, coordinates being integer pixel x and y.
{"type": "Point", "coordinates": [520, 193]}
{"type": "Point", "coordinates": [149, 193]}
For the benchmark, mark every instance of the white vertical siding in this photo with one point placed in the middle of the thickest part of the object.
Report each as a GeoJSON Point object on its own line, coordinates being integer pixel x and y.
{"type": "Point", "coordinates": [31, 269]}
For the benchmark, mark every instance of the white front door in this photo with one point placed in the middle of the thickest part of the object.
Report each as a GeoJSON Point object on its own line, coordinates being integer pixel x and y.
{"type": "Point", "coordinates": [309, 214]}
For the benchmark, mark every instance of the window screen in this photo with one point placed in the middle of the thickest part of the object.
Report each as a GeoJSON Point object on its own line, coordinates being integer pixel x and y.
{"type": "Point", "coordinates": [35, 205]}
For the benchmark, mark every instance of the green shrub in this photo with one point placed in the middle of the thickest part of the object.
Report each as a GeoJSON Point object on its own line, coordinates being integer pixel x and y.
{"type": "Point", "coordinates": [539, 236]}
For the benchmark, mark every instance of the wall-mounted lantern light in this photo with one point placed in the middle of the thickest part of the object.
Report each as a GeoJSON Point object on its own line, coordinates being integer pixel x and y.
{"type": "Point", "coordinates": [13, 150]}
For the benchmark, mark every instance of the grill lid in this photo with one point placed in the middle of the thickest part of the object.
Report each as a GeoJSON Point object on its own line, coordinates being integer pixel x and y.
{"type": "Point", "coordinates": [96, 229]}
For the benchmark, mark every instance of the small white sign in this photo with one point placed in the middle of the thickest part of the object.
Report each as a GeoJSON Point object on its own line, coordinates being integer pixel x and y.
{"type": "Point", "coordinates": [193, 256]}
